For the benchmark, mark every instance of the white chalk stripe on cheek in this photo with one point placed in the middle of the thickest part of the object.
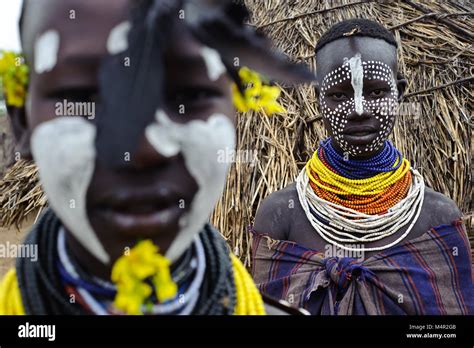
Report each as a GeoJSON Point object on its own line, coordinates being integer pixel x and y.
{"type": "Point", "coordinates": [117, 41]}
{"type": "Point", "coordinates": [200, 150]}
{"type": "Point", "coordinates": [199, 142]}
{"type": "Point", "coordinates": [46, 51]}
{"type": "Point", "coordinates": [213, 61]}
{"type": "Point", "coordinates": [64, 152]}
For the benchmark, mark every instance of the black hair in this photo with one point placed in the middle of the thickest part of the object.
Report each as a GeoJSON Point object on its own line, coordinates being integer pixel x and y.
{"type": "Point", "coordinates": [356, 27]}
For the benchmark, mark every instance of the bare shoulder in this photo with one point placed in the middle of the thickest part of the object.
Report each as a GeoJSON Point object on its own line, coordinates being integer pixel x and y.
{"type": "Point", "coordinates": [438, 209]}
{"type": "Point", "coordinates": [275, 213]}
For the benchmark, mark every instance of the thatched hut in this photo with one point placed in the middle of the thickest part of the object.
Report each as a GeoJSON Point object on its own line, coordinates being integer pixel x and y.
{"type": "Point", "coordinates": [434, 131]}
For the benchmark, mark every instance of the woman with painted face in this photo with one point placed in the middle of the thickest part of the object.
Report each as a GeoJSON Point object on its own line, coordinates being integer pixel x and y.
{"type": "Point", "coordinates": [359, 232]}
{"type": "Point", "coordinates": [132, 184]}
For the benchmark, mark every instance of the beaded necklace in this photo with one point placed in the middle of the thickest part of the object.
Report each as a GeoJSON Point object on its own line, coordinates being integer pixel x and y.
{"type": "Point", "coordinates": [344, 210]}
{"type": "Point", "coordinates": [387, 160]}
{"type": "Point", "coordinates": [97, 294]}
{"type": "Point", "coordinates": [373, 194]}
{"type": "Point", "coordinates": [38, 287]}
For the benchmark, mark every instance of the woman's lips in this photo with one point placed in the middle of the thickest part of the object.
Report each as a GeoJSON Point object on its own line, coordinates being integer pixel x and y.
{"type": "Point", "coordinates": [144, 221]}
{"type": "Point", "coordinates": [140, 212]}
{"type": "Point", "coordinates": [360, 134]}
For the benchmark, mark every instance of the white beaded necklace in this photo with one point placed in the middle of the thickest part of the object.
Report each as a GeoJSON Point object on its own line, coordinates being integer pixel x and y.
{"type": "Point", "coordinates": [345, 225]}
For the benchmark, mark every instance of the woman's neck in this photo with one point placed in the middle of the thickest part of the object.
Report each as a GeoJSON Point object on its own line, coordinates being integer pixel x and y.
{"type": "Point", "coordinates": [86, 260]}
{"type": "Point", "coordinates": [91, 265]}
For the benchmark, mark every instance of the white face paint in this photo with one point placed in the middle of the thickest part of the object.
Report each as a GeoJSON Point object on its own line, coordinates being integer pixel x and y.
{"type": "Point", "coordinates": [46, 51]}
{"type": "Point", "coordinates": [383, 109]}
{"type": "Point", "coordinates": [199, 142]}
{"type": "Point", "coordinates": [213, 61]}
{"type": "Point", "coordinates": [64, 151]}
{"type": "Point", "coordinates": [117, 41]}
{"type": "Point", "coordinates": [357, 81]}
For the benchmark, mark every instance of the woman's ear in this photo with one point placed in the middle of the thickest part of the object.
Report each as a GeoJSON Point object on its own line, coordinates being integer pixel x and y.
{"type": "Point", "coordinates": [401, 85]}
{"type": "Point", "coordinates": [20, 130]}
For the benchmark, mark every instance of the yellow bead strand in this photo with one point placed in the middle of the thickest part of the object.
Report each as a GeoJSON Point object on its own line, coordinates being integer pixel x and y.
{"type": "Point", "coordinates": [249, 300]}
{"type": "Point", "coordinates": [337, 184]}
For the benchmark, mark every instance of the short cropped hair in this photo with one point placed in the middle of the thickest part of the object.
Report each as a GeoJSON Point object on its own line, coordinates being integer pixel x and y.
{"type": "Point", "coordinates": [356, 27]}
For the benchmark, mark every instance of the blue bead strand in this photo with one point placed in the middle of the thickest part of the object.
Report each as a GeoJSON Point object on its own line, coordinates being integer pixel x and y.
{"type": "Point", "coordinates": [382, 162]}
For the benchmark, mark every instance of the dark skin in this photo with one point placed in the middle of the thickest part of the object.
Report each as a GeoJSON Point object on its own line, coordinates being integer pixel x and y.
{"type": "Point", "coordinates": [281, 216]}
{"type": "Point", "coordinates": [75, 77]}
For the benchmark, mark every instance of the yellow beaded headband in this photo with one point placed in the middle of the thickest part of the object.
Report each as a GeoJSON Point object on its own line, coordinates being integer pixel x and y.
{"type": "Point", "coordinates": [14, 78]}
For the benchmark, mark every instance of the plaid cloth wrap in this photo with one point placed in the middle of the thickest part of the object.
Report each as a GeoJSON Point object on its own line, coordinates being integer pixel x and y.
{"type": "Point", "coordinates": [429, 275]}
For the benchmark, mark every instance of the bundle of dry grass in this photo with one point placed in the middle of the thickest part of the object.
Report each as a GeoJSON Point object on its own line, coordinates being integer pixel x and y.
{"type": "Point", "coordinates": [434, 130]}
{"type": "Point", "coordinates": [20, 194]}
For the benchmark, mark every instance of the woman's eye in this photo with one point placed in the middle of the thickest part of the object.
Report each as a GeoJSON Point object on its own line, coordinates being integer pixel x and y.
{"type": "Point", "coordinates": [377, 93]}
{"type": "Point", "coordinates": [76, 95]}
{"type": "Point", "coordinates": [337, 96]}
{"type": "Point", "coordinates": [193, 95]}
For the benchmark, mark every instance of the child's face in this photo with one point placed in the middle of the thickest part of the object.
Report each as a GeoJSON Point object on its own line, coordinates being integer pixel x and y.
{"type": "Point", "coordinates": [358, 93]}
{"type": "Point", "coordinates": [169, 186]}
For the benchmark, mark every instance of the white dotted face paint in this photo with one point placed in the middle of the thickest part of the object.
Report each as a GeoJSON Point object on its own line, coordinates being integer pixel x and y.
{"type": "Point", "coordinates": [383, 107]}
{"type": "Point", "coordinates": [213, 61]}
{"type": "Point", "coordinates": [199, 142]}
{"type": "Point", "coordinates": [64, 151]}
{"type": "Point", "coordinates": [117, 41]}
{"type": "Point", "coordinates": [46, 51]}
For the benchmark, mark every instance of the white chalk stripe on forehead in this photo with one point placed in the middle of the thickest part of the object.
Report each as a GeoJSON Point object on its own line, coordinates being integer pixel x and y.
{"type": "Point", "coordinates": [213, 61]}
{"type": "Point", "coordinates": [46, 51]}
{"type": "Point", "coordinates": [117, 41]}
{"type": "Point", "coordinates": [64, 151]}
{"type": "Point", "coordinates": [199, 142]}
{"type": "Point", "coordinates": [357, 81]}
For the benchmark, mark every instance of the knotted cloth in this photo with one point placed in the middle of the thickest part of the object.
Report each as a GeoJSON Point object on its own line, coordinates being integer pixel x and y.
{"type": "Point", "coordinates": [429, 275]}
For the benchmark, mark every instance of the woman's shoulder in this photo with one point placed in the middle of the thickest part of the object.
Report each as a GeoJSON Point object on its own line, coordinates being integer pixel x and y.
{"type": "Point", "coordinates": [275, 212]}
{"type": "Point", "coordinates": [439, 208]}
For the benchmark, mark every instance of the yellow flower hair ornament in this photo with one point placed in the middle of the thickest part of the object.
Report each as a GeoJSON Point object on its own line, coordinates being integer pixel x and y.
{"type": "Point", "coordinates": [14, 78]}
{"type": "Point", "coordinates": [256, 94]}
{"type": "Point", "coordinates": [137, 273]}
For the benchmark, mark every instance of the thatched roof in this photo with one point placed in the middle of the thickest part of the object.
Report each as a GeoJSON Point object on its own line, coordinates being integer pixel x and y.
{"type": "Point", "coordinates": [436, 56]}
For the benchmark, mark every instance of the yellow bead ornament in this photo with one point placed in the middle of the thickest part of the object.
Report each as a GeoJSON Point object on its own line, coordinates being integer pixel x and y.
{"type": "Point", "coordinates": [14, 78]}
{"type": "Point", "coordinates": [131, 271]}
{"type": "Point", "coordinates": [257, 95]}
